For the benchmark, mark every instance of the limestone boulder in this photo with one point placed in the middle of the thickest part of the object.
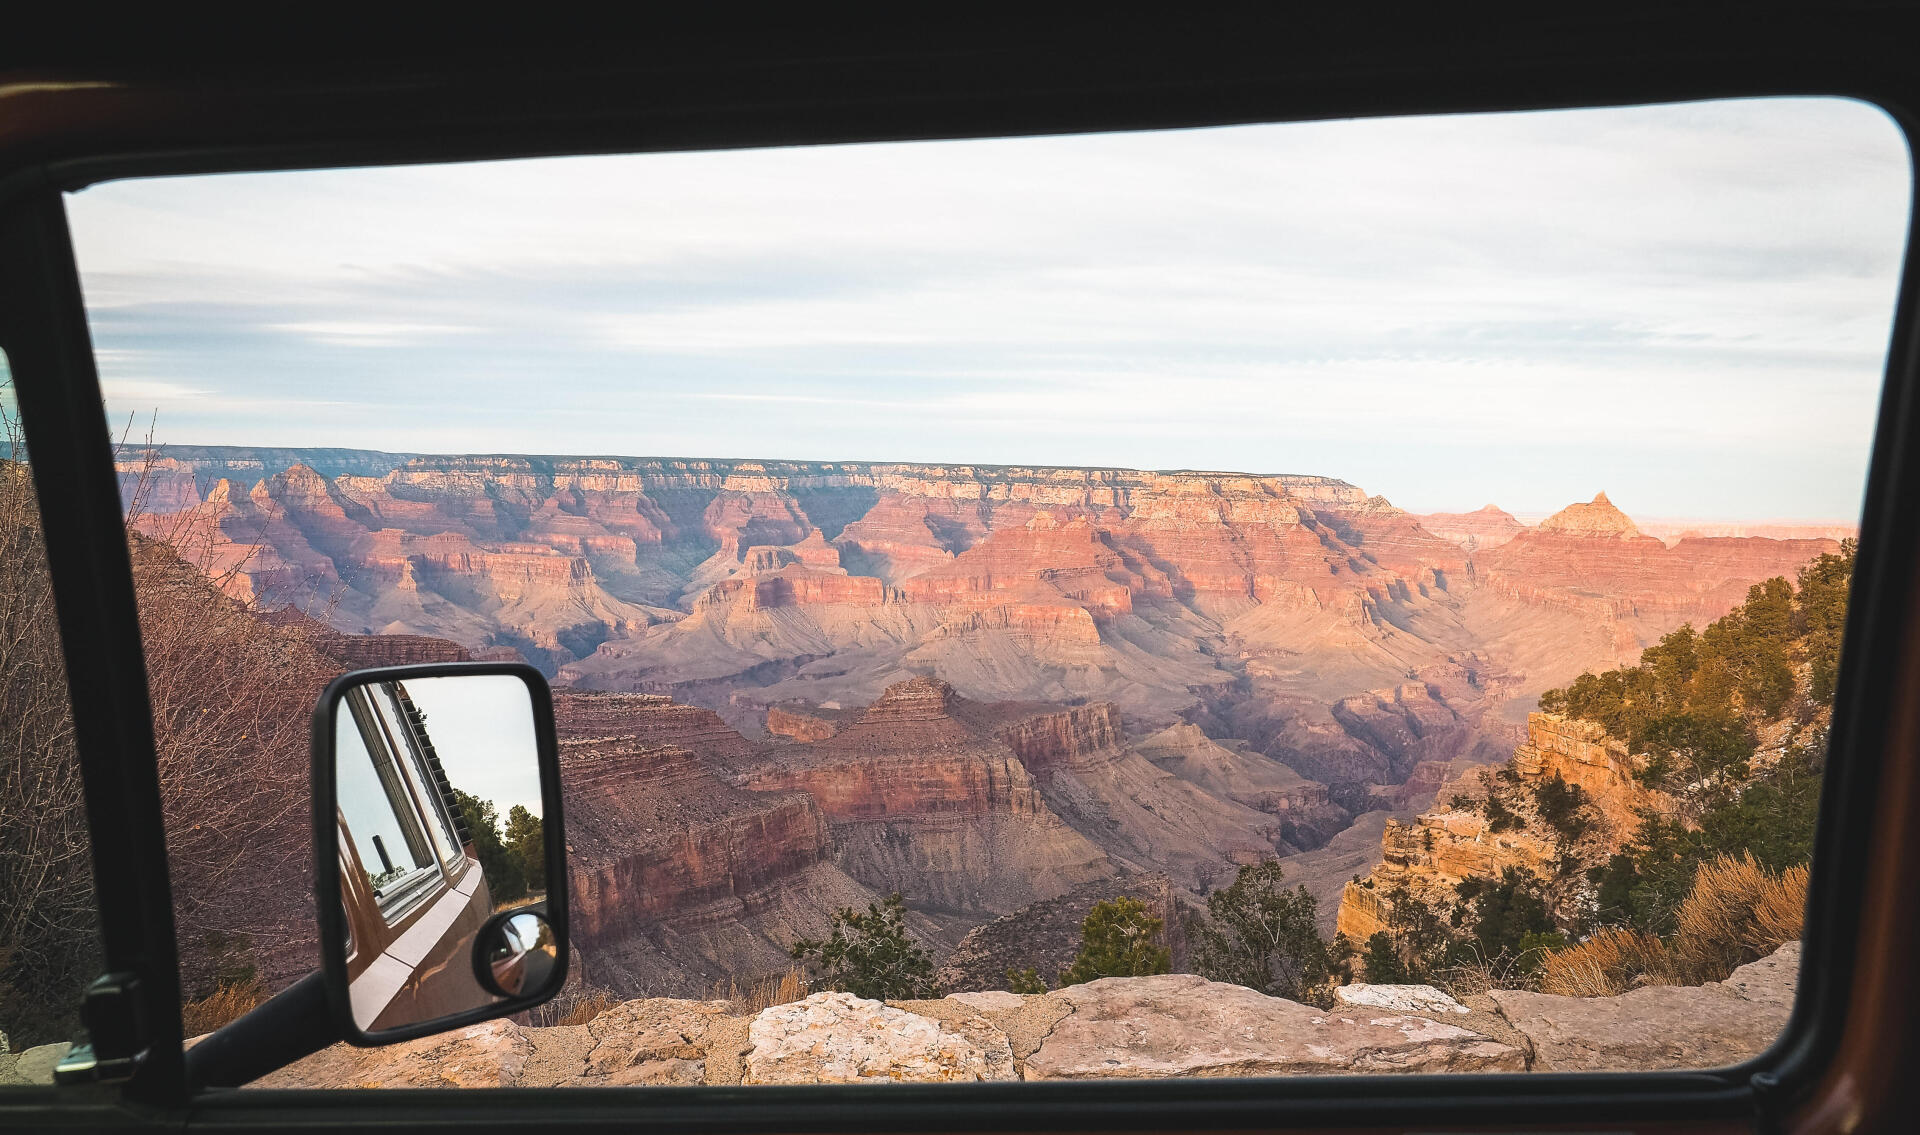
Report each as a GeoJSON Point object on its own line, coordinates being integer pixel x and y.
{"type": "Point", "coordinates": [1181, 1025]}
{"type": "Point", "coordinates": [1659, 1026]}
{"type": "Point", "coordinates": [656, 1041]}
{"type": "Point", "coordinates": [33, 1065]}
{"type": "Point", "coordinates": [1399, 998]}
{"type": "Point", "coordinates": [837, 1038]}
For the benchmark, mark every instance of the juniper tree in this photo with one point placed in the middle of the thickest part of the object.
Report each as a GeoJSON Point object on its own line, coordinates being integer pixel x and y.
{"type": "Point", "coordinates": [869, 954]}
{"type": "Point", "coordinates": [1119, 938]}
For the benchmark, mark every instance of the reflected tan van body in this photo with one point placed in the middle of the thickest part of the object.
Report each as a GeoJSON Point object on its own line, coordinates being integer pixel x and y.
{"type": "Point", "coordinates": [424, 955]}
{"type": "Point", "coordinates": [409, 945]}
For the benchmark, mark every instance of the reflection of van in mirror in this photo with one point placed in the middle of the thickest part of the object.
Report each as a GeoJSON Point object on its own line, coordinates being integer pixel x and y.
{"type": "Point", "coordinates": [410, 879]}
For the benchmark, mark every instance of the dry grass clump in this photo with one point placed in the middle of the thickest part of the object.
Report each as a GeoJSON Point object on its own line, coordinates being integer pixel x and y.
{"type": "Point", "coordinates": [1607, 965]}
{"type": "Point", "coordinates": [228, 1003]}
{"type": "Point", "coordinates": [762, 992]}
{"type": "Point", "coordinates": [1781, 914]}
{"type": "Point", "coordinates": [1737, 912]}
{"type": "Point", "coordinates": [585, 1008]}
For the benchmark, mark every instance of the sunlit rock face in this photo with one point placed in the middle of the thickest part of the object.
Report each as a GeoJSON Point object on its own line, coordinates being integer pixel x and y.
{"type": "Point", "coordinates": [1448, 844]}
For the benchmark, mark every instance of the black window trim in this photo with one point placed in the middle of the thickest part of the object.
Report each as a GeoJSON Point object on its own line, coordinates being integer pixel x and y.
{"type": "Point", "coordinates": [43, 328]}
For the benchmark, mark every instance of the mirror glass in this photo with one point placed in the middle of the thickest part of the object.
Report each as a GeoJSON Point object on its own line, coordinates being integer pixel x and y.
{"type": "Point", "coordinates": [516, 953]}
{"type": "Point", "coordinates": [442, 859]}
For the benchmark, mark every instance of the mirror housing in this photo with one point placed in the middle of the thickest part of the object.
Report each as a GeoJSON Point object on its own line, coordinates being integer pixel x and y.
{"type": "Point", "coordinates": [404, 947]}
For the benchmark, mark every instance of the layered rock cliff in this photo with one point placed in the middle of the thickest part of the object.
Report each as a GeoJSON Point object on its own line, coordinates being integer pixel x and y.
{"type": "Point", "coordinates": [927, 804]}
{"type": "Point", "coordinates": [679, 879]}
{"type": "Point", "coordinates": [1142, 816]}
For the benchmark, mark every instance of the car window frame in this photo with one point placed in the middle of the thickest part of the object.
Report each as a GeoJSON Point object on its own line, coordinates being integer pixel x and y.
{"type": "Point", "coordinates": [43, 328]}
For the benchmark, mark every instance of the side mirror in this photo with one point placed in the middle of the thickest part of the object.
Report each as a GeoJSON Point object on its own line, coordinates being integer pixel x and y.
{"type": "Point", "coordinates": [438, 855]}
{"type": "Point", "coordinates": [439, 866]}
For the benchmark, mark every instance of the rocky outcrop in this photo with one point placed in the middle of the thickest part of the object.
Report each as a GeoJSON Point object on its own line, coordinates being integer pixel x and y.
{"type": "Point", "coordinates": [1591, 557]}
{"type": "Point", "coordinates": [32, 1065]}
{"type": "Point", "coordinates": [1659, 1026]}
{"type": "Point", "coordinates": [1448, 844]}
{"type": "Point", "coordinates": [1231, 771]}
{"type": "Point", "coordinates": [1180, 1025]}
{"type": "Point", "coordinates": [799, 725]}
{"type": "Point", "coordinates": [1173, 1025]}
{"type": "Point", "coordinates": [679, 878]}
{"type": "Point", "coordinates": [1411, 723]}
{"type": "Point", "coordinates": [1400, 998]}
{"type": "Point", "coordinates": [1066, 739]}
{"type": "Point", "coordinates": [361, 651]}
{"type": "Point", "coordinates": [653, 720]}
{"type": "Point", "coordinates": [1596, 518]}
{"type": "Point", "coordinates": [1487, 527]}
{"type": "Point", "coordinates": [837, 1038]}
{"type": "Point", "coordinates": [1143, 817]}
{"type": "Point", "coordinates": [491, 1054]}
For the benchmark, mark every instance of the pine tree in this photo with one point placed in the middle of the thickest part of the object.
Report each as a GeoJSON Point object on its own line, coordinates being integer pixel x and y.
{"type": "Point", "coordinates": [525, 838]}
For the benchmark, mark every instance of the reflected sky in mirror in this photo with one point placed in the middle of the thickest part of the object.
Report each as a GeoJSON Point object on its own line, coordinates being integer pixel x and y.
{"type": "Point", "coordinates": [482, 726]}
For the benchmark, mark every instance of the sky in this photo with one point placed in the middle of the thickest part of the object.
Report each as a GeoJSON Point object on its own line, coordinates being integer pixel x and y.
{"type": "Point", "coordinates": [1686, 306]}
{"type": "Point", "coordinates": [482, 730]}
{"type": "Point", "coordinates": [482, 727]}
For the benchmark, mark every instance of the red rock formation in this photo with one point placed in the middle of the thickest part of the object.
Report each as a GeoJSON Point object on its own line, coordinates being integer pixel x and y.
{"type": "Point", "coordinates": [1142, 816]}
{"type": "Point", "coordinates": [652, 720]}
{"type": "Point", "coordinates": [655, 833]}
{"type": "Point", "coordinates": [1591, 557]}
{"type": "Point", "coordinates": [1480, 530]}
{"type": "Point", "coordinates": [931, 806]}
{"type": "Point", "coordinates": [796, 725]}
{"type": "Point", "coordinates": [1050, 741]}
{"type": "Point", "coordinates": [363, 651]}
{"type": "Point", "coordinates": [679, 878]}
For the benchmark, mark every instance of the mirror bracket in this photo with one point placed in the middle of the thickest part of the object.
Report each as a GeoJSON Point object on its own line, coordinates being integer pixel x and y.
{"type": "Point", "coordinates": [296, 1022]}
{"type": "Point", "coordinates": [117, 1035]}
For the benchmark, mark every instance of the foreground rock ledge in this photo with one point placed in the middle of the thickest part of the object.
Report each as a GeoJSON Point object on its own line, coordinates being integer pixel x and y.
{"type": "Point", "coordinates": [1117, 1028]}
{"type": "Point", "coordinates": [1660, 1026]}
{"type": "Point", "coordinates": [1180, 1025]}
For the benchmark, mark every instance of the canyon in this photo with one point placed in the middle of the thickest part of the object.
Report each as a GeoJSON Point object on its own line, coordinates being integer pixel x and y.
{"type": "Point", "coordinates": [789, 687]}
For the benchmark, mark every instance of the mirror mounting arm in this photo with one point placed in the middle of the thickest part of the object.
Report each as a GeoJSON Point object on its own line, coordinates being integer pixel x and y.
{"type": "Point", "coordinates": [296, 1022]}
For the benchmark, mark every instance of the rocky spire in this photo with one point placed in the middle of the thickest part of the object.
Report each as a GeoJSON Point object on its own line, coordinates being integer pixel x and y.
{"type": "Point", "coordinates": [1596, 518]}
